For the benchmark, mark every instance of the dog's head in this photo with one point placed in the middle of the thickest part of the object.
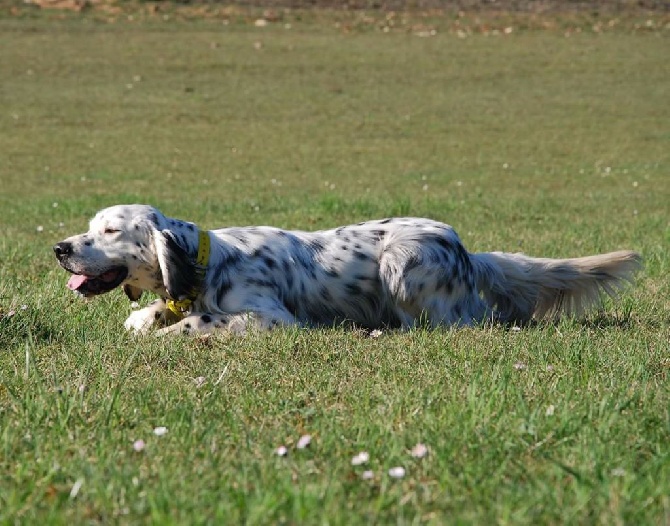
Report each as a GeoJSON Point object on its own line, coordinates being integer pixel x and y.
{"type": "Point", "coordinates": [133, 246]}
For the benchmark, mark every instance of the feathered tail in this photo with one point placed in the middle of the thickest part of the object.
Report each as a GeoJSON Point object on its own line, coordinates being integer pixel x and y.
{"type": "Point", "coordinates": [519, 288]}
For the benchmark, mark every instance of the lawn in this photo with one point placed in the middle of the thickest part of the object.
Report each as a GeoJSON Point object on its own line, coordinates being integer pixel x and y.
{"type": "Point", "coordinates": [547, 141]}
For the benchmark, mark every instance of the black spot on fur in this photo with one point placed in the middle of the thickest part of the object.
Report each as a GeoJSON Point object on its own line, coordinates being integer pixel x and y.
{"type": "Point", "coordinates": [187, 325]}
{"type": "Point", "coordinates": [332, 273]}
{"type": "Point", "coordinates": [261, 282]}
{"type": "Point", "coordinates": [325, 294]}
{"type": "Point", "coordinates": [353, 288]}
{"type": "Point", "coordinates": [190, 227]}
{"type": "Point", "coordinates": [344, 247]}
{"type": "Point", "coordinates": [316, 246]}
{"type": "Point", "coordinates": [206, 318]}
{"type": "Point", "coordinates": [157, 315]}
{"type": "Point", "coordinates": [385, 221]}
{"type": "Point", "coordinates": [269, 262]}
{"type": "Point", "coordinates": [360, 255]}
{"type": "Point", "coordinates": [88, 243]}
{"type": "Point", "coordinates": [443, 242]}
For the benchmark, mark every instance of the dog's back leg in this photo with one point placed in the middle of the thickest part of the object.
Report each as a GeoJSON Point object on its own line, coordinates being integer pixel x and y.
{"type": "Point", "coordinates": [430, 277]}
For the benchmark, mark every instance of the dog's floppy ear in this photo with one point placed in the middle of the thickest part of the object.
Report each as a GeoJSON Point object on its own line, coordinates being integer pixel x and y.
{"type": "Point", "coordinates": [180, 277]}
{"type": "Point", "coordinates": [133, 293]}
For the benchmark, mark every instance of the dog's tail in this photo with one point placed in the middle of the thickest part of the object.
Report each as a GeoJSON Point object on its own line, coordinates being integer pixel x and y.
{"type": "Point", "coordinates": [519, 288]}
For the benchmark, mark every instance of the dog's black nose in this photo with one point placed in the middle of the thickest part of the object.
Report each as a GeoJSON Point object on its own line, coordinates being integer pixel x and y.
{"type": "Point", "coordinates": [62, 249]}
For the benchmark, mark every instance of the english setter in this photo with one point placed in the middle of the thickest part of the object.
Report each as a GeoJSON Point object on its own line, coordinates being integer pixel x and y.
{"type": "Point", "coordinates": [396, 272]}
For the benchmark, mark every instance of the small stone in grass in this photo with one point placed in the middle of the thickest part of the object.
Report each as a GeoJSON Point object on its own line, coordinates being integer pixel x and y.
{"type": "Point", "coordinates": [281, 451]}
{"type": "Point", "coordinates": [419, 451]}
{"type": "Point", "coordinates": [397, 472]}
{"type": "Point", "coordinates": [304, 441]}
{"type": "Point", "coordinates": [360, 459]}
{"type": "Point", "coordinates": [160, 431]}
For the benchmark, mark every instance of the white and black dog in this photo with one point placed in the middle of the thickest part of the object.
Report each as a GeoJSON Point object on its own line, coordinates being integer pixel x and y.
{"type": "Point", "coordinates": [388, 273]}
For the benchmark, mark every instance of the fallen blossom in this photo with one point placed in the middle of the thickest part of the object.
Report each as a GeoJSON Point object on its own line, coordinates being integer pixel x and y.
{"type": "Point", "coordinates": [200, 381]}
{"type": "Point", "coordinates": [281, 451]}
{"type": "Point", "coordinates": [550, 410]}
{"type": "Point", "coordinates": [75, 488]}
{"type": "Point", "coordinates": [419, 451]}
{"type": "Point", "coordinates": [397, 472]}
{"type": "Point", "coordinates": [138, 445]}
{"type": "Point", "coordinates": [375, 333]}
{"type": "Point", "coordinates": [304, 441]}
{"type": "Point", "coordinates": [367, 475]}
{"type": "Point", "coordinates": [520, 366]}
{"type": "Point", "coordinates": [360, 459]}
{"type": "Point", "coordinates": [160, 431]}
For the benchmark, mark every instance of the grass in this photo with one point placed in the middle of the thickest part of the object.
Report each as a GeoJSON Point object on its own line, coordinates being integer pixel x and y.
{"type": "Point", "coordinates": [532, 141]}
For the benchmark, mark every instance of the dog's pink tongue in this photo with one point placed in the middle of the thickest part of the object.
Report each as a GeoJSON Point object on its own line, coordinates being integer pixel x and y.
{"type": "Point", "coordinates": [76, 281]}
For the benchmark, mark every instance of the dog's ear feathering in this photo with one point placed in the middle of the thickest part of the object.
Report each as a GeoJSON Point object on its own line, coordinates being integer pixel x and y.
{"type": "Point", "coordinates": [177, 268]}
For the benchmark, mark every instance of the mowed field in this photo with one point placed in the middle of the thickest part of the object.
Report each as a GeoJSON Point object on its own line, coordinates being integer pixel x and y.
{"type": "Point", "coordinates": [528, 141]}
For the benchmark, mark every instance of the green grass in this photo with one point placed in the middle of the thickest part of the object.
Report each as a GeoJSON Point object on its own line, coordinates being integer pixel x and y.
{"type": "Point", "coordinates": [536, 142]}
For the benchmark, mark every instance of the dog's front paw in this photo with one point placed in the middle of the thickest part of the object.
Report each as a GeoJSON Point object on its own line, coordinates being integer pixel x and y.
{"type": "Point", "coordinates": [140, 321]}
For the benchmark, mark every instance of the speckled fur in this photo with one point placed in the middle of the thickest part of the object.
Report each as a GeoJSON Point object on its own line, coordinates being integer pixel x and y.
{"type": "Point", "coordinates": [393, 272]}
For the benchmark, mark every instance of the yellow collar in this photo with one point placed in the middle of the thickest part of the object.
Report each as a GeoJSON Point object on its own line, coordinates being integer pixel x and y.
{"type": "Point", "coordinates": [179, 307]}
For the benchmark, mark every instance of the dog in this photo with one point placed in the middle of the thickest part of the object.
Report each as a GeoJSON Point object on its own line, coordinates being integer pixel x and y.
{"type": "Point", "coordinates": [388, 273]}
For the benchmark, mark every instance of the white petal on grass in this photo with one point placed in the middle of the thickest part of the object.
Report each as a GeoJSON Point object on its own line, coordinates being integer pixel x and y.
{"type": "Point", "coordinates": [138, 445]}
{"type": "Point", "coordinates": [76, 487]}
{"type": "Point", "coordinates": [520, 366]}
{"type": "Point", "coordinates": [376, 333]}
{"type": "Point", "coordinates": [360, 459]}
{"type": "Point", "coordinates": [367, 475]}
{"type": "Point", "coordinates": [419, 451]}
{"type": "Point", "coordinates": [550, 410]}
{"type": "Point", "coordinates": [618, 472]}
{"type": "Point", "coordinates": [160, 431]}
{"type": "Point", "coordinates": [200, 381]}
{"type": "Point", "coordinates": [281, 451]}
{"type": "Point", "coordinates": [304, 441]}
{"type": "Point", "coordinates": [397, 472]}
